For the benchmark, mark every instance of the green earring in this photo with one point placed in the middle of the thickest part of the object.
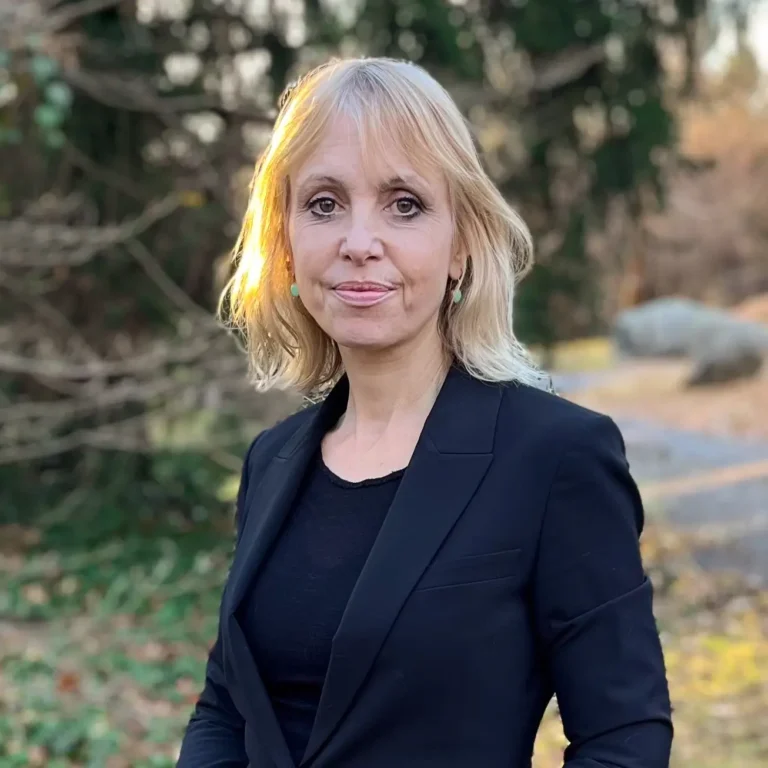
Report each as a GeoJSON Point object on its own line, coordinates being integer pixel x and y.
{"type": "Point", "coordinates": [294, 290]}
{"type": "Point", "coordinates": [457, 295]}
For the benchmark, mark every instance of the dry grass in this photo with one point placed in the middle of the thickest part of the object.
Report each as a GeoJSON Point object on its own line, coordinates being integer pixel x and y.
{"type": "Point", "coordinates": [654, 390]}
{"type": "Point", "coordinates": [754, 309]}
{"type": "Point", "coordinates": [593, 354]}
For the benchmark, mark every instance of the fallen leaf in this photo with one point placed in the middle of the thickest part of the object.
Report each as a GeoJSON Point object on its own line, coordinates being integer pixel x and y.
{"type": "Point", "coordinates": [68, 682]}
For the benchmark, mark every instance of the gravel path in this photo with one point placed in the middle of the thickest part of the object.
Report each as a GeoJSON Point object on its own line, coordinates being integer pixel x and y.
{"type": "Point", "coordinates": [736, 509]}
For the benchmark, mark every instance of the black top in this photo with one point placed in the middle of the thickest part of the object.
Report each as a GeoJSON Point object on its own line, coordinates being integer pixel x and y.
{"type": "Point", "coordinates": [297, 602]}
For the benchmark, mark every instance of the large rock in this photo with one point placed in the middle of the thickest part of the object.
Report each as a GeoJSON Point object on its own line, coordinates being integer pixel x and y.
{"type": "Point", "coordinates": [722, 347]}
{"type": "Point", "coordinates": [723, 364]}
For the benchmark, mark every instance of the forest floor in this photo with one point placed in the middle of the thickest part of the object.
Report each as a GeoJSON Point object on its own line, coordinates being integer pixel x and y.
{"type": "Point", "coordinates": [102, 648]}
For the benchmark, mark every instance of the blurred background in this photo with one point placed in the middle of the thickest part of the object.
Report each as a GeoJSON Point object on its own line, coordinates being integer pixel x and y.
{"type": "Point", "coordinates": [633, 137]}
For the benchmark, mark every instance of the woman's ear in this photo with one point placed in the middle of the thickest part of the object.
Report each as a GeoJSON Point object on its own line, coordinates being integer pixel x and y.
{"type": "Point", "coordinates": [459, 257]}
{"type": "Point", "coordinates": [458, 265]}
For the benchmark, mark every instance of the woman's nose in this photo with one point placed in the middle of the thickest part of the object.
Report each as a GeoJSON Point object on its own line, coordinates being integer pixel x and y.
{"type": "Point", "coordinates": [361, 242]}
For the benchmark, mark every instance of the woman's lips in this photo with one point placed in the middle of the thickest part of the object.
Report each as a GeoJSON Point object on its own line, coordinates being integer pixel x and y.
{"type": "Point", "coordinates": [362, 294]}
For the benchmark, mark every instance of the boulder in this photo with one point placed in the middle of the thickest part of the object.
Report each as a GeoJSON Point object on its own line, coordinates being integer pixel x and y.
{"type": "Point", "coordinates": [720, 346]}
{"type": "Point", "coordinates": [724, 364]}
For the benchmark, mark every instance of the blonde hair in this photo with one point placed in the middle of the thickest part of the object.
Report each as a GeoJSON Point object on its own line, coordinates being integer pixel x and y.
{"type": "Point", "coordinates": [387, 100]}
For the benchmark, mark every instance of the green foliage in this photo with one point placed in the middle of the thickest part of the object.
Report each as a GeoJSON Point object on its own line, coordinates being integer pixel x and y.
{"type": "Point", "coordinates": [59, 95]}
{"type": "Point", "coordinates": [623, 89]}
{"type": "Point", "coordinates": [43, 68]}
{"type": "Point", "coordinates": [130, 615]}
{"type": "Point", "coordinates": [547, 28]}
{"type": "Point", "coordinates": [53, 96]}
{"type": "Point", "coordinates": [9, 136]}
{"type": "Point", "coordinates": [438, 36]}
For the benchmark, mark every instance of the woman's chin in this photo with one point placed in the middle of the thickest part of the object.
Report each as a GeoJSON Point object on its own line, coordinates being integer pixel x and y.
{"type": "Point", "coordinates": [365, 336]}
{"type": "Point", "coordinates": [366, 342]}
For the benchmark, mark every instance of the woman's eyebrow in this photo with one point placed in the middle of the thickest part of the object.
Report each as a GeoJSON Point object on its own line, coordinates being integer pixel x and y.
{"type": "Point", "coordinates": [316, 180]}
{"type": "Point", "coordinates": [404, 180]}
{"type": "Point", "coordinates": [320, 180]}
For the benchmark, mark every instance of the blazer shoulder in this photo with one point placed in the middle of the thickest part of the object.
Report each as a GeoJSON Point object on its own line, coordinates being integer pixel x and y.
{"type": "Point", "coordinates": [552, 420]}
{"type": "Point", "coordinates": [268, 442]}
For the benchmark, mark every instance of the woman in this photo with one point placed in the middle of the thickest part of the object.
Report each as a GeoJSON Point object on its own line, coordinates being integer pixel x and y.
{"type": "Point", "coordinates": [436, 548]}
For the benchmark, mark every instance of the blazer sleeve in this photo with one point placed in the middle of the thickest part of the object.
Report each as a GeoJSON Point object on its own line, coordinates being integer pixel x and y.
{"type": "Point", "coordinates": [215, 735]}
{"type": "Point", "coordinates": [593, 609]}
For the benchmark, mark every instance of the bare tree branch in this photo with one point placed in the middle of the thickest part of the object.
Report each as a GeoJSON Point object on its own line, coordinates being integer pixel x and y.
{"type": "Point", "coordinates": [65, 14]}
{"type": "Point", "coordinates": [27, 244]}
{"type": "Point", "coordinates": [68, 394]}
{"type": "Point", "coordinates": [160, 277]}
{"type": "Point", "coordinates": [135, 94]}
{"type": "Point", "coordinates": [104, 174]}
{"type": "Point", "coordinates": [42, 307]}
{"type": "Point", "coordinates": [60, 369]}
{"type": "Point", "coordinates": [566, 67]}
{"type": "Point", "coordinates": [127, 435]}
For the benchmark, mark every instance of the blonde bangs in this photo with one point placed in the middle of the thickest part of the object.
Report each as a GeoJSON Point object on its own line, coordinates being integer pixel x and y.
{"type": "Point", "coordinates": [387, 101]}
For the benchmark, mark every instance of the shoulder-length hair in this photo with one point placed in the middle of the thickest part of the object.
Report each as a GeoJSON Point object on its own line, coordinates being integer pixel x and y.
{"type": "Point", "coordinates": [388, 100]}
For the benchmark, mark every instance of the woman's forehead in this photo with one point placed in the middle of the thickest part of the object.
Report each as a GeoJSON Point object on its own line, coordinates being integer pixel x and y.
{"type": "Point", "coordinates": [345, 153]}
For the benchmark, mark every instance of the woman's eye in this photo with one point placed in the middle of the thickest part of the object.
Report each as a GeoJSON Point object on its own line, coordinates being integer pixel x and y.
{"type": "Point", "coordinates": [407, 206]}
{"type": "Point", "coordinates": [323, 205]}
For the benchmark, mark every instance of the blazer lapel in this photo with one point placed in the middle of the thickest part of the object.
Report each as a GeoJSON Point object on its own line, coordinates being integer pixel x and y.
{"type": "Point", "coordinates": [449, 463]}
{"type": "Point", "coordinates": [269, 504]}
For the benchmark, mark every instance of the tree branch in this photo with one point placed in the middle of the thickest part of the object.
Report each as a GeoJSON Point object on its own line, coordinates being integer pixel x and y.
{"type": "Point", "coordinates": [27, 244]}
{"type": "Point", "coordinates": [134, 94]}
{"type": "Point", "coordinates": [65, 14]}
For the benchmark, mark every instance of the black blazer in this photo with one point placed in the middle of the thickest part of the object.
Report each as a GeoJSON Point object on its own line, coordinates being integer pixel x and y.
{"type": "Point", "coordinates": [507, 569]}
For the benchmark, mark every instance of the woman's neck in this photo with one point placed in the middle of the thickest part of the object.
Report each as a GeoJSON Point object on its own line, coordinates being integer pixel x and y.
{"type": "Point", "coordinates": [392, 392]}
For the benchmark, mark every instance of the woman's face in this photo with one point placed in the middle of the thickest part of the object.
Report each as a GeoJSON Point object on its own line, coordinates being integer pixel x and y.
{"type": "Point", "coordinates": [372, 243]}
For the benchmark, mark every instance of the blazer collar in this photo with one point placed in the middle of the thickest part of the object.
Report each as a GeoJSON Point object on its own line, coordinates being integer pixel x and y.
{"type": "Point", "coordinates": [449, 462]}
